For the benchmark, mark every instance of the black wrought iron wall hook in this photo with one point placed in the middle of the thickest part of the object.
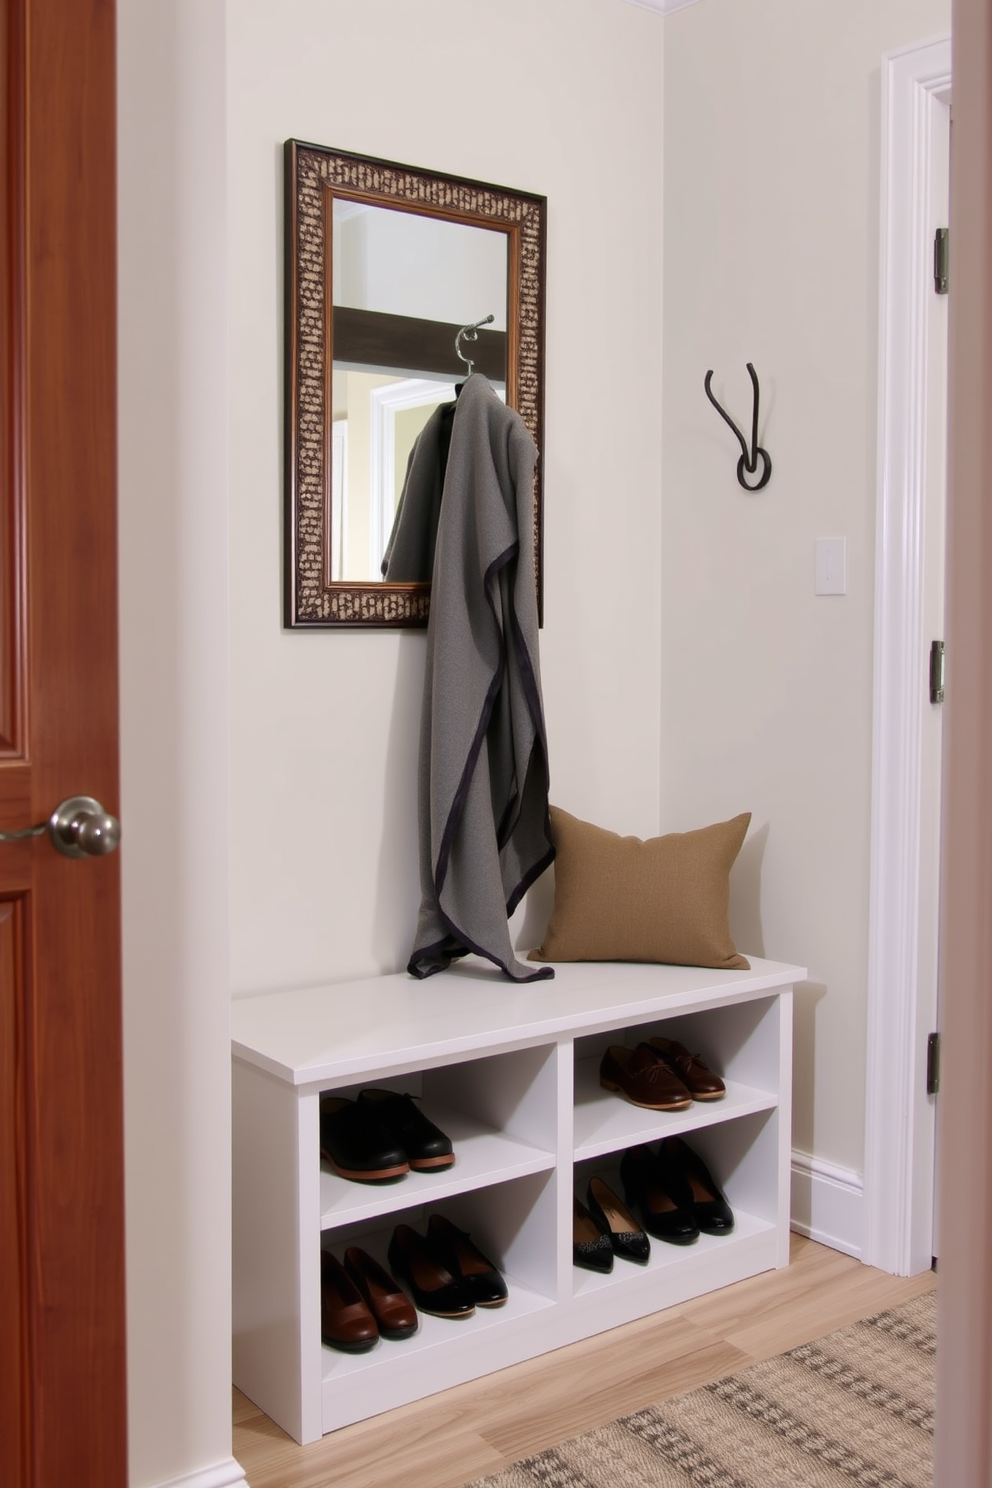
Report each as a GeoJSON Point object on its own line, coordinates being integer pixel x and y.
{"type": "Point", "coordinates": [748, 461]}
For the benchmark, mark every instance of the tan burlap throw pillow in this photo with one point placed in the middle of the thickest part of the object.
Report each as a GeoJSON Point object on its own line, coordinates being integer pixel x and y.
{"type": "Point", "coordinates": [624, 899]}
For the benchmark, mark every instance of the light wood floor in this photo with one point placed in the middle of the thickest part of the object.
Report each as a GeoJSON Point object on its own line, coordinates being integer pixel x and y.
{"type": "Point", "coordinates": [477, 1428]}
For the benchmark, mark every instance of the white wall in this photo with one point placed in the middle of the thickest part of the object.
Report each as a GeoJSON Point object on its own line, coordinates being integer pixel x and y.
{"type": "Point", "coordinates": [308, 740]}
{"type": "Point", "coordinates": [771, 256]}
{"type": "Point", "coordinates": [174, 728]}
{"type": "Point", "coordinates": [717, 658]}
{"type": "Point", "coordinates": [560, 98]}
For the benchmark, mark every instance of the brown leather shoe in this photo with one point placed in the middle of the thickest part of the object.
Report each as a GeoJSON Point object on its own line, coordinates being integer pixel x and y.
{"type": "Point", "coordinates": [698, 1078]}
{"type": "Point", "coordinates": [345, 1320]}
{"type": "Point", "coordinates": [643, 1077]}
{"type": "Point", "coordinates": [394, 1313]}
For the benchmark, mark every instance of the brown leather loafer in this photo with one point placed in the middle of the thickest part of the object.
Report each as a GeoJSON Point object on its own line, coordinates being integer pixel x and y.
{"type": "Point", "coordinates": [394, 1313]}
{"type": "Point", "coordinates": [700, 1081]}
{"type": "Point", "coordinates": [345, 1321]}
{"type": "Point", "coordinates": [643, 1077]}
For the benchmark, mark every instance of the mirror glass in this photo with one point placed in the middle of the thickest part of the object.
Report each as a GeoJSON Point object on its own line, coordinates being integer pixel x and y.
{"type": "Point", "coordinates": [399, 281]}
{"type": "Point", "coordinates": [392, 266]}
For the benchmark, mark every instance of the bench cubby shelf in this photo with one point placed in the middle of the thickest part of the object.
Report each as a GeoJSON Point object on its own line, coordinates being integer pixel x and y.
{"type": "Point", "coordinates": [510, 1072]}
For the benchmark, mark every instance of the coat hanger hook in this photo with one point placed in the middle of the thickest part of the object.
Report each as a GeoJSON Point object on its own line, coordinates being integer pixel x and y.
{"type": "Point", "coordinates": [470, 333]}
{"type": "Point", "coordinates": [748, 461]}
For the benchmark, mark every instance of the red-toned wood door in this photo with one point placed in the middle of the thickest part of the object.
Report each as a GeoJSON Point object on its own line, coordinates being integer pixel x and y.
{"type": "Point", "coordinates": [62, 1366]}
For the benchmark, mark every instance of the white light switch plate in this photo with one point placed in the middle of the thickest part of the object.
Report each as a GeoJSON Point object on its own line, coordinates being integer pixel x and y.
{"type": "Point", "coordinates": [831, 565]}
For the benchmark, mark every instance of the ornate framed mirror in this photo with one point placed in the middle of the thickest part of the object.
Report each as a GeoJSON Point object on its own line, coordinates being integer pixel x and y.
{"type": "Point", "coordinates": [398, 280]}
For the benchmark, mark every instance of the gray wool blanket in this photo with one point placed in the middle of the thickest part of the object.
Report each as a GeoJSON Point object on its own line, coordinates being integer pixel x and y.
{"type": "Point", "coordinates": [485, 832]}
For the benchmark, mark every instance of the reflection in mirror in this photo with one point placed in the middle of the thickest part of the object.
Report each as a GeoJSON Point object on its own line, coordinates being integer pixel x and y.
{"type": "Point", "coordinates": [388, 266]}
{"type": "Point", "coordinates": [385, 265]}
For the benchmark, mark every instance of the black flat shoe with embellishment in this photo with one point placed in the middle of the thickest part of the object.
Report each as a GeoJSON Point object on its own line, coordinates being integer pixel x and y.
{"type": "Point", "coordinates": [591, 1247]}
{"type": "Point", "coordinates": [625, 1235]}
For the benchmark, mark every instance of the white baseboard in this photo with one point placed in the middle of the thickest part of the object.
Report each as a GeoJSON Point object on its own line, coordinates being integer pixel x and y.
{"type": "Point", "coordinates": [827, 1203]}
{"type": "Point", "coordinates": [227, 1474]}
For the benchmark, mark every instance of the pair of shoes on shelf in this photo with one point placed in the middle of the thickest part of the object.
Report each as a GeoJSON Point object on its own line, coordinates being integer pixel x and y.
{"type": "Point", "coordinates": [659, 1074]}
{"type": "Point", "coordinates": [445, 1274]}
{"type": "Point", "coordinates": [674, 1192]}
{"type": "Point", "coordinates": [604, 1230]}
{"type": "Point", "coordinates": [699, 1080]}
{"type": "Point", "coordinates": [360, 1303]}
{"type": "Point", "coordinates": [380, 1136]}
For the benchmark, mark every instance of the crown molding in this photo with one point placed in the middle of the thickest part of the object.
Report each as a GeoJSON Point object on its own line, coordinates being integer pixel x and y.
{"type": "Point", "coordinates": [663, 7]}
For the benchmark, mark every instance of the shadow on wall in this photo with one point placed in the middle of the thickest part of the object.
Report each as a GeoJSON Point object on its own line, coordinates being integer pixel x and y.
{"type": "Point", "coordinates": [745, 894]}
{"type": "Point", "coordinates": [530, 921]}
{"type": "Point", "coordinates": [807, 995]}
{"type": "Point", "coordinates": [397, 895]}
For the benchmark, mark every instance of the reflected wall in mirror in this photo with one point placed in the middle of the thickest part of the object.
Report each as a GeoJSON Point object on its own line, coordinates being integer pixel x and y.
{"type": "Point", "coordinates": [386, 264]}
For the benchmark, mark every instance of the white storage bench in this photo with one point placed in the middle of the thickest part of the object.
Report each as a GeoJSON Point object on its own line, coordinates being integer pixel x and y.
{"type": "Point", "coordinates": [510, 1072]}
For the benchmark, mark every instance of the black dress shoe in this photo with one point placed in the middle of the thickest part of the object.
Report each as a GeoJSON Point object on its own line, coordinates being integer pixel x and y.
{"type": "Point", "coordinates": [625, 1235]}
{"type": "Point", "coordinates": [431, 1285]}
{"type": "Point", "coordinates": [425, 1144]}
{"type": "Point", "coordinates": [591, 1246]}
{"type": "Point", "coordinates": [661, 1196]}
{"type": "Point", "coordinates": [454, 1249]}
{"type": "Point", "coordinates": [345, 1320]}
{"type": "Point", "coordinates": [714, 1215]}
{"type": "Point", "coordinates": [356, 1145]}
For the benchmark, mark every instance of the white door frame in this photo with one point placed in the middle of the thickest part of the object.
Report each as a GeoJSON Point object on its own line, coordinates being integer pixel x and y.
{"type": "Point", "coordinates": [899, 1117]}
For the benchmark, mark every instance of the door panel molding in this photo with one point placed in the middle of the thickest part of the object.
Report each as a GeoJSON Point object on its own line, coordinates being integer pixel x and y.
{"type": "Point", "coordinates": [14, 1373]}
{"type": "Point", "coordinates": [12, 244]}
{"type": "Point", "coordinates": [899, 1123]}
{"type": "Point", "coordinates": [63, 1407]}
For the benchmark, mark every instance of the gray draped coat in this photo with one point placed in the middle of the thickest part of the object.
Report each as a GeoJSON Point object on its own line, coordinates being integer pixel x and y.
{"type": "Point", "coordinates": [485, 832]}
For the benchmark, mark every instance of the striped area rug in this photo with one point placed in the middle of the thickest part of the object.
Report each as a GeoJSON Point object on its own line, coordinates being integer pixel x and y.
{"type": "Point", "coordinates": [853, 1408]}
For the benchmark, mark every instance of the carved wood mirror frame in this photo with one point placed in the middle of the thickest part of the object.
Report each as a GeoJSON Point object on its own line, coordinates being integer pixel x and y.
{"type": "Point", "coordinates": [314, 177]}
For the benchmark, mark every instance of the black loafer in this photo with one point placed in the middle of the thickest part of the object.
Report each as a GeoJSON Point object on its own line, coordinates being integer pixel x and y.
{"type": "Point", "coordinates": [355, 1145]}
{"type": "Point", "coordinates": [431, 1285]}
{"type": "Point", "coordinates": [454, 1248]}
{"type": "Point", "coordinates": [660, 1195]}
{"type": "Point", "coordinates": [625, 1235]}
{"type": "Point", "coordinates": [426, 1145]}
{"type": "Point", "coordinates": [591, 1248]}
{"type": "Point", "coordinates": [714, 1215]}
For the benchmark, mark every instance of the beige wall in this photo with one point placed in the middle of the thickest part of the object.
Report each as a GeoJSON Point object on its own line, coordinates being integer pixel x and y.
{"type": "Point", "coordinates": [771, 256]}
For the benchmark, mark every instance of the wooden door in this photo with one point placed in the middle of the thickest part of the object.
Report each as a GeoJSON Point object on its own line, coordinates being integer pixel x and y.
{"type": "Point", "coordinates": [62, 1370]}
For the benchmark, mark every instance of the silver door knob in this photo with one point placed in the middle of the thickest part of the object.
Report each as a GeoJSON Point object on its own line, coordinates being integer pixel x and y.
{"type": "Point", "coordinates": [78, 827]}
